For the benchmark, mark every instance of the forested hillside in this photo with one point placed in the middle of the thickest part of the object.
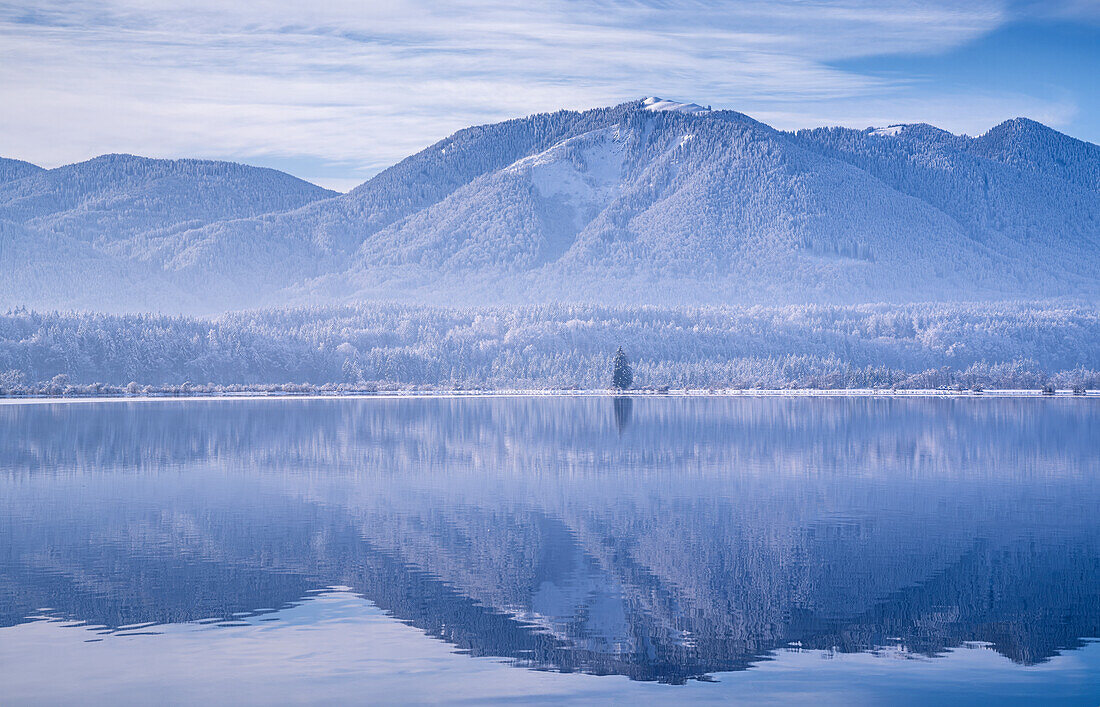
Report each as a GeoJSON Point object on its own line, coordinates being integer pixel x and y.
{"type": "Point", "coordinates": [1038, 211]}
{"type": "Point", "coordinates": [404, 347]}
{"type": "Point", "coordinates": [102, 234]}
{"type": "Point", "coordinates": [649, 202]}
{"type": "Point", "coordinates": [10, 170]}
{"type": "Point", "coordinates": [36, 262]}
{"type": "Point", "coordinates": [715, 207]}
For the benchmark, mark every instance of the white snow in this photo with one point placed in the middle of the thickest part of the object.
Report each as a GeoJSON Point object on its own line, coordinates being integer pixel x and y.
{"type": "Point", "coordinates": [889, 131]}
{"type": "Point", "coordinates": [656, 104]}
{"type": "Point", "coordinates": [584, 170]}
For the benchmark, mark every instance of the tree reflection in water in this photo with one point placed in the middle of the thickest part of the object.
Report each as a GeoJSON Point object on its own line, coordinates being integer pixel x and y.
{"type": "Point", "coordinates": [624, 408]}
{"type": "Point", "coordinates": [716, 531]}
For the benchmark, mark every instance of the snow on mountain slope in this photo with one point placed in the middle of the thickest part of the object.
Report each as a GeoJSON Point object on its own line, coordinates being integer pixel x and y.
{"type": "Point", "coordinates": [650, 201]}
{"type": "Point", "coordinates": [739, 201]}
{"type": "Point", "coordinates": [322, 238]}
{"type": "Point", "coordinates": [520, 217]}
{"type": "Point", "coordinates": [582, 170]}
{"type": "Point", "coordinates": [1030, 218]}
{"type": "Point", "coordinates": [718, 208]}
{"type": "Point", "coordinates": [660, 105]}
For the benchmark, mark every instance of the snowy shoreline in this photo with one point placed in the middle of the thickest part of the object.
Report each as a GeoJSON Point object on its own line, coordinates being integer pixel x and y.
{"type": "Point", "coordinates": [450, 394]}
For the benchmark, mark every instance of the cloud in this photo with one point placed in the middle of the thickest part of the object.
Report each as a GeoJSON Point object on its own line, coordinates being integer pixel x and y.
{"type": "Point", "coordinates": [358, 86]}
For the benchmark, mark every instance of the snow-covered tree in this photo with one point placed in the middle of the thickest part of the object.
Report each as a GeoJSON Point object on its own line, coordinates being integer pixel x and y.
{"type": "Point", "coordinates": [622, 375]}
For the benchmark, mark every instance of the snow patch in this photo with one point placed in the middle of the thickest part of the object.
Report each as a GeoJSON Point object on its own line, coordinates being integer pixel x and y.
{"type": "Point", "coordinates": [660, 105]}
{"type": "Point", "coordinates": [889, 131]}
{"type": "Point", "coordinates": [584, 170]}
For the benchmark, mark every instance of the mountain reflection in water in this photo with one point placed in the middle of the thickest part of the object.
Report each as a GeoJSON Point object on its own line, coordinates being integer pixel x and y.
{"type": "Point", "coordinates": [659, 538]}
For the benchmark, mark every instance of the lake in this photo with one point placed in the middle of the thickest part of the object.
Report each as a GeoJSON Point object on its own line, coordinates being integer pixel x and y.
{"type": "Point", "coordinates": [648, 549]}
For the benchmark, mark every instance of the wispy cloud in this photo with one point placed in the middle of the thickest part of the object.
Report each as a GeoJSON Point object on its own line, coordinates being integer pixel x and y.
{"type": "Point", "coordinates": [359, 85]}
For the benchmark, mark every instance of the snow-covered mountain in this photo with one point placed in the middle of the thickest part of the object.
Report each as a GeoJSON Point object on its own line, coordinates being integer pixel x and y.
{"type": "Point", "coordinates": [98, 233]}
{"type": "Point", "coordinates": [10, 170]}
{"type": "Point", "coordinates": [115, 198]}
{"type": "Point", "coordinates": [41, 268]}
{"type": "Point", "coordinates": [650, 201]}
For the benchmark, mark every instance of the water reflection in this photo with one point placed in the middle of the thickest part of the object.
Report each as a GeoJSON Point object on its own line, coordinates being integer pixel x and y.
{"type": "Point", "coordinates": [624, 408]}
{"type": "Point", "coordinates": [714, 533]}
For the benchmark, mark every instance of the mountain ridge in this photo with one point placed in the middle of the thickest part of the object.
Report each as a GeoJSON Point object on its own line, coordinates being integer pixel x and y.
{"type": "Point", "coordinates": [651, 201]}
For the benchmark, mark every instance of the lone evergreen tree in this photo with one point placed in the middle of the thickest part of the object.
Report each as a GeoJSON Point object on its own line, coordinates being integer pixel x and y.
{"type": "Point", "coordinates": [621, 374]}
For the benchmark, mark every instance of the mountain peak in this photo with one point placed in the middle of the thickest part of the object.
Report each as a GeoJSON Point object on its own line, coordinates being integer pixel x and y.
{"type": "Point", "coordinates": [661, 105]}
{"type": "Point", "coordinates": [1020, 123]}
{"type": "Point", "coordinates": [1031, 145]}
{"type": "Point", "coordinates": [1026, 128]}
{"type": "Point", "coordinates": [913, 131]}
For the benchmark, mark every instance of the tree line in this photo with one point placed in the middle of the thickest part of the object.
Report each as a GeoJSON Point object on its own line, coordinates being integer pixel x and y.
{"type": "Point", "coordinates": [418, 347]}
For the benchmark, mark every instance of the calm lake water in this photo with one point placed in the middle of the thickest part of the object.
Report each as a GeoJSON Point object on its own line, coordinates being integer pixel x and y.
{"type": "Point", "coordinates": [639, 550]}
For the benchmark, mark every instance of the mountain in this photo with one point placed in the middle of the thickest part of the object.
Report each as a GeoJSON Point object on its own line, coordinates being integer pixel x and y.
{"type": "Point", "coordinates": [689, 205]}
{"type": "Point", "coordinates": [96, 233]}
{"type": "Point", "coordinates": [652, 201]}
{"type": "Point", "coordinates": [115, 198]}
{"type": "Point", "coordinates": [10, 170]}
{"type": "Point", "coordinates": [1034, 147]}
{"type": "Point", "coordinates": [1040, 213]}
{"type": "Point", "coordinates": [283, 250]}
{"type": "Point", "coordinates": [55, 270]}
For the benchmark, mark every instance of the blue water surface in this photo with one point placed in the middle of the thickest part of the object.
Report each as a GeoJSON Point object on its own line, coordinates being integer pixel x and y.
{"type": "Point", "coordinates": [763, 550]}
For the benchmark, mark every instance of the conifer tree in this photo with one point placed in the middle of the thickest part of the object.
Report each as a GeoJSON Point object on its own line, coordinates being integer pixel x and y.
{"type": "Point", "coordinates": [622, 377]}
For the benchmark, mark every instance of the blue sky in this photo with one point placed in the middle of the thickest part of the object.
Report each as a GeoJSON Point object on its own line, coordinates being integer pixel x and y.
{"type": "Point", "coordinates": [334, 90]}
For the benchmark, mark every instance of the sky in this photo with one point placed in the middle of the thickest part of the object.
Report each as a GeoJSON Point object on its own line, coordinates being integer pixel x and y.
{"type": "Point", "coordinates": [335, 90]}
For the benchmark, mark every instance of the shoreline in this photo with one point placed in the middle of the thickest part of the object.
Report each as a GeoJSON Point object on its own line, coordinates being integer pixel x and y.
{"type": "Point", "coordinates": [523, 393]}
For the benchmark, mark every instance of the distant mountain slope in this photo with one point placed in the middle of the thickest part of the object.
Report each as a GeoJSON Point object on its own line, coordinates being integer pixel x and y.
{"type": "Point", "coordinates": [1040, 213]}
{"type": "Point", "coordinates": [53, 271]}
{"type": "Point", "coordinates": [1034, 147]}
{"type": "Point", "coordinates": [650, 201]}
{"type": "Point", "coordinates": [115, 197]}
{"type": "Point", "coordinates": [10, 169]}
{"type": "Point", "coordinates": [97, 233]}
{"type": "Point", "coordinates": [667, 195]}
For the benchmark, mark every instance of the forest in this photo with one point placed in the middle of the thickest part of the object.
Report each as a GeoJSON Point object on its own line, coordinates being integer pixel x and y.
{"type": "Point", "coordinates": [402, 347]}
